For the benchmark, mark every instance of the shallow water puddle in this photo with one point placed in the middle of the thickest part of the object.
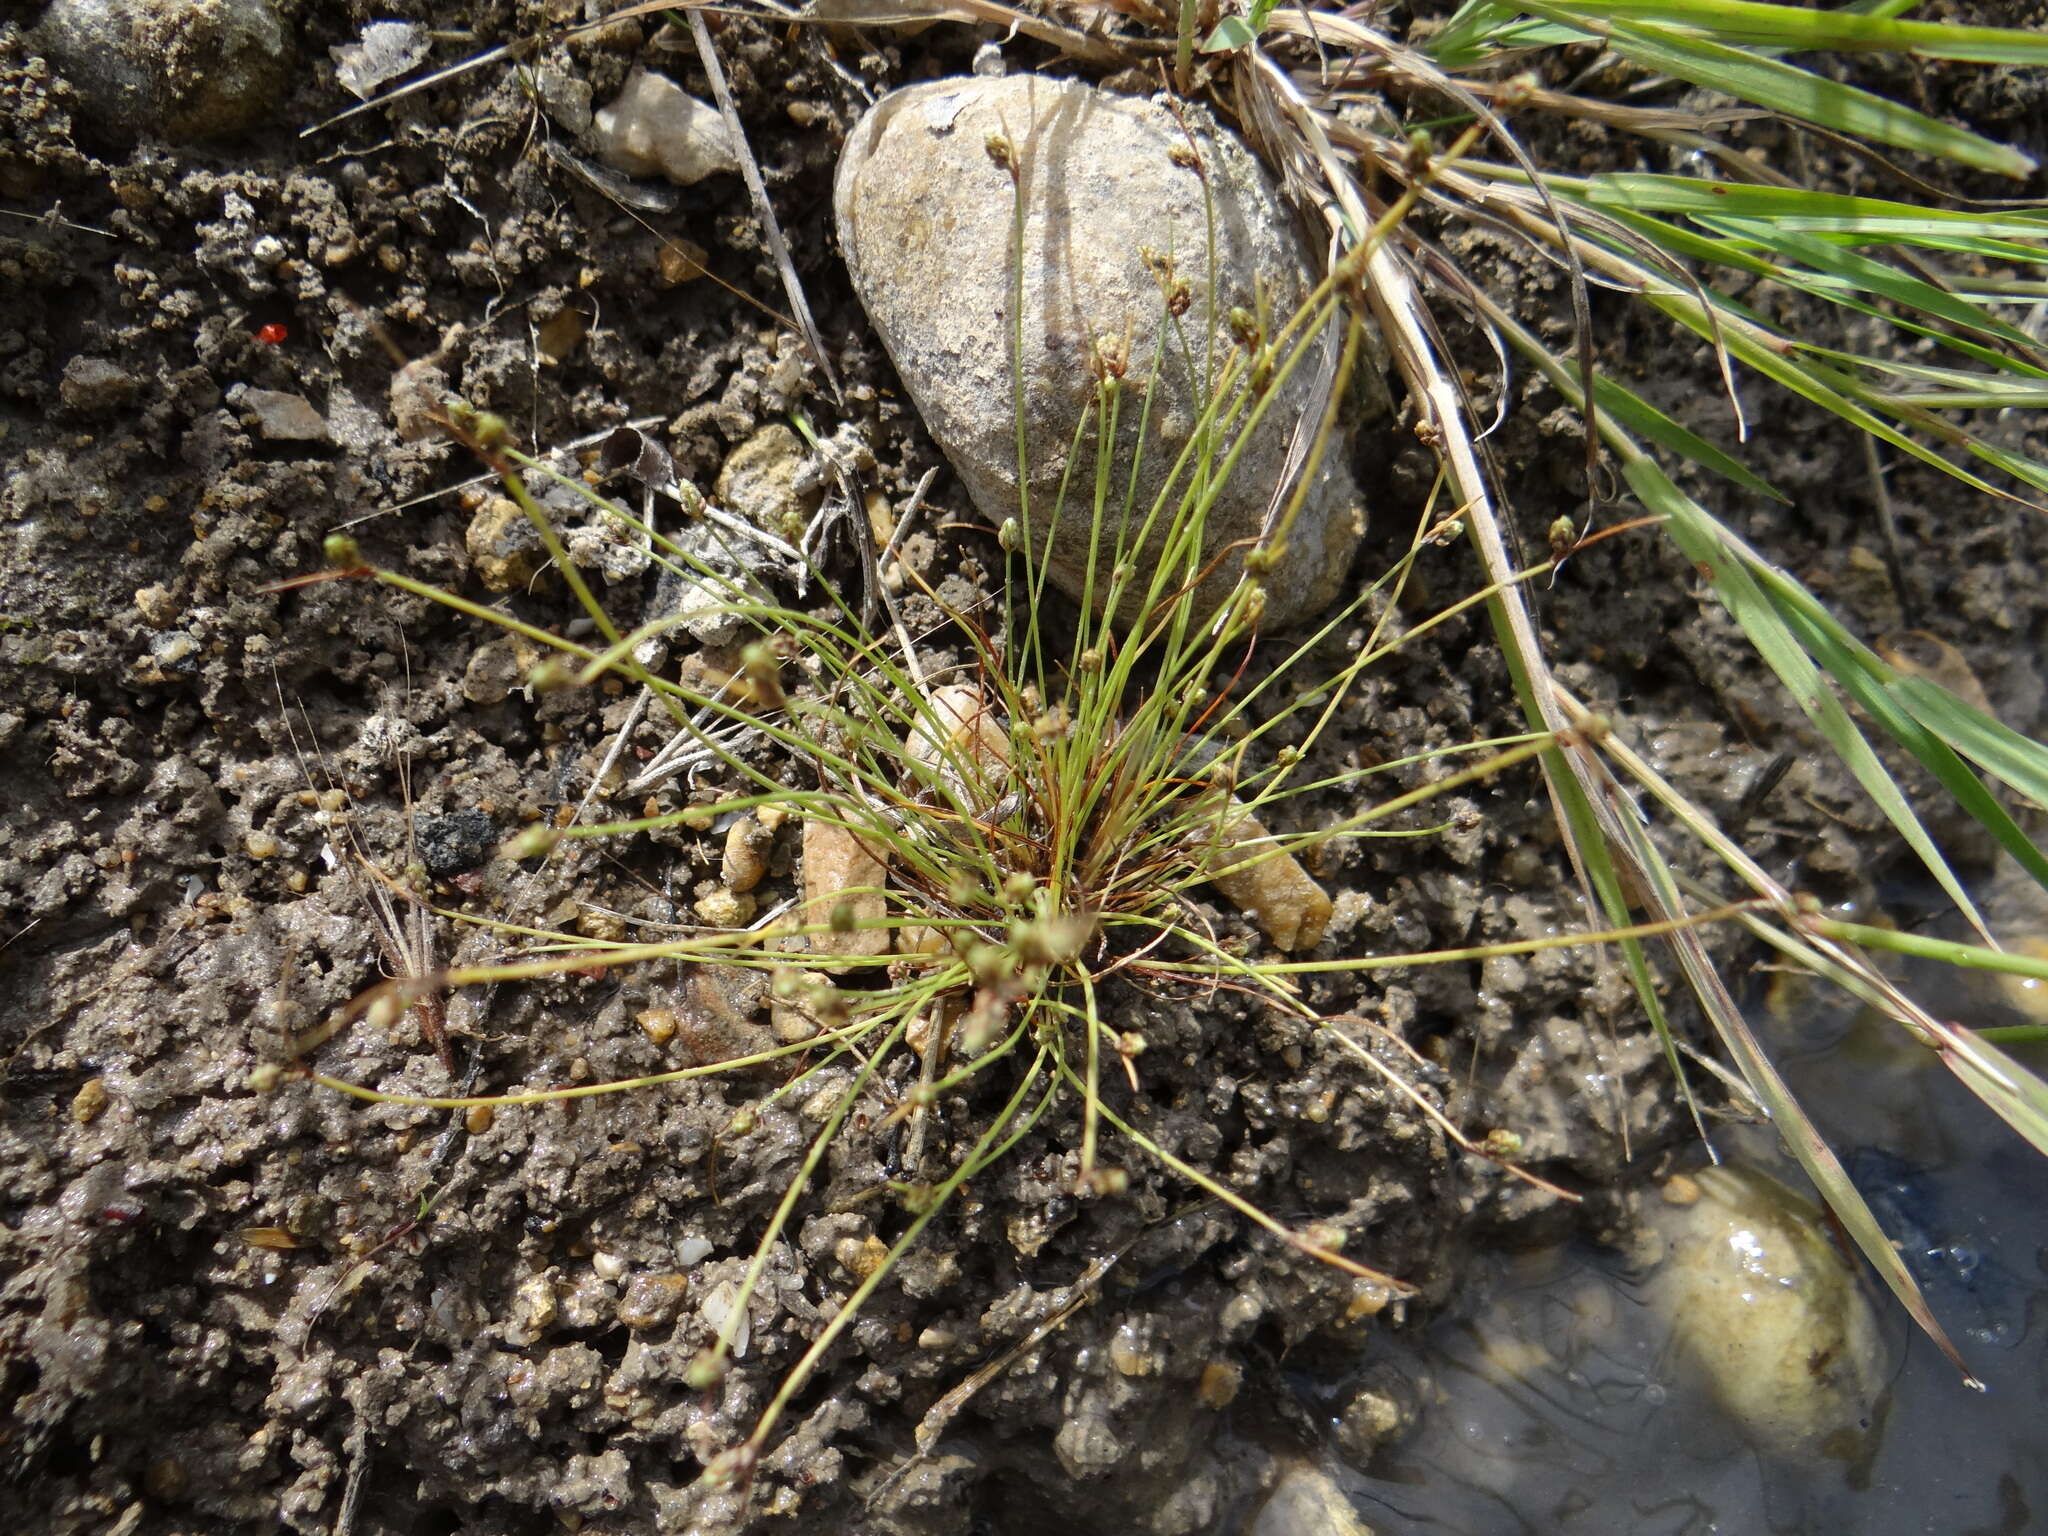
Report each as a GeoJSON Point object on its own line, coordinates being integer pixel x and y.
{"type": "Point", "coordinates": [1564, 1407]}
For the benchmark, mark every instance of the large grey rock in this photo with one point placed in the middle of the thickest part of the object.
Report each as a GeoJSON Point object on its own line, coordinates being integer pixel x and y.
{"type": "Point", "coordinates": [186, 69]}
{"type": "Point", "coordinates": [925, 215]}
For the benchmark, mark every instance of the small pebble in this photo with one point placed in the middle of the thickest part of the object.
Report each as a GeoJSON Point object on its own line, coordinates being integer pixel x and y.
{"type": "Point", "coordinates": [260, 845]}
{"type": "Point", "coordinates": [458, 841]}
{"type": "Point", "coordinates": [652, 1301]}
{"type": "Point", "coordinates": [1219, 1383]}
{"type": "Point", "coordinates": [655, 128]}
{"type": "Point", "coordinates": [608, 1266]}
{"type": "Point", "coordinates": [1679, 1190]}
{"type": "Point", "coordinates": [495, 668]}
{"type": "Point", "coordinates": [1368, 1299]}
{"type": "Point", "coordinates": [594, 924]}
{"type": "Point", "coordinates": [280, 417]}
{"type": "Point", "coordinates": [504, 546]}
{"type": "Point", "coordinates": [835, 863]}
{"type": "Point", "coordinates": [1761, 1300]}
{"type": "Point", "coordinates": [678, 261]}
{"type": "Point", "coordinates": [156, 606]}
{"type": "Point", "coordinates": [1307, 1502]}
{"type": "Point", "coordinates": [174, 653]}
{"type": "Point", "coordinates": [724, 908]}
{"type": "Point", "coordinates": [659, 1024]}
{"type": "Point", "coordinates": [718, 1308]}
{"type": "Point", "coordinates": [383, 51]}
{"type": "Point", "coordinates": [477, 1118]}
{"type": "Point", "coordinates": [534, 1305]}
{"type": "Point", "coordinates": [765, 481]}
{"type": "Point", "coordinates": [747, 844]}
{"type": "Point", "coordinates": [92, 384]}
{"type": "Point", "coordinates": [860, 1257]}
{"type": "Point", "coordinates": [89, 1102]}
{"type": "Point", "coordinates": [1134, 1352]}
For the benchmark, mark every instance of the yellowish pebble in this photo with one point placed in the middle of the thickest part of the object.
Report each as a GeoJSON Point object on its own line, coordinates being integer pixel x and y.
{"type": "Point", "coordinates": [89, 1102]}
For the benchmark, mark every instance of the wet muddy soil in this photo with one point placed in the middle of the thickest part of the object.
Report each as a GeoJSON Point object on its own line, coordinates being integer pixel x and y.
{"type": "Point", "coordinates": [221, 337]}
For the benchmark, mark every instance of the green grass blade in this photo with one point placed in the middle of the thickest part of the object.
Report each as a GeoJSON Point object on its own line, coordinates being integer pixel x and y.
{"type": "Point", "coordinates": [1683, 241]}
{"type": "Point", "coordinates": [1750, 24]}
{"type": "Point", "coordinates": [1701, 538]}
{"type": "Point", "coordinates": [2015, 1095]}
{"type": "Point", "coordinates": [2030, 471]}
{"type": "Point", "coordinates": [1801, 94]}
{"type": "Point", "coordinates": [1872, 276]}
{"type": "Point", "coordinates": [1645, 420]}
{"type": "Point", "coordinates": [1989, 356]}
{"type": "Point", "coordinates": [1816, 212]}
{"type": "Point", "coordinates": [1797, 1133]}
{"type": "Point", "coordinates": [1482, 27]}
{"type": "Point", "coordinates": [1886, 695]}
{"type": "Point", "coordinates": [1831, 389]}
{"type": "Point", "coordinates": [1996, 747]}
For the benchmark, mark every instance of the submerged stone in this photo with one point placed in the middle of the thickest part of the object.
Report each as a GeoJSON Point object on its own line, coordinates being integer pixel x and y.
{"type": "Point", "coordinates": [1118, 199]}
{"type": "Point", "coordinates": [1769, 1309]}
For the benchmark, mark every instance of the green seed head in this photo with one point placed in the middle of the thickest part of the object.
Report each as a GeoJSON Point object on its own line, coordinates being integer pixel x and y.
{"type": "Point", "coordinates": [706, 1371]}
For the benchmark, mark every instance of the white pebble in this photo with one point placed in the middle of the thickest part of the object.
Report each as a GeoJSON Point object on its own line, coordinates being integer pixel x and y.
{"type": "Point", "coordinates": [655, 128]}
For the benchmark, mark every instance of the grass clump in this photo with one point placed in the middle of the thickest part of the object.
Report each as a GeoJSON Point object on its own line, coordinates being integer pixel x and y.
{"type": "Point", "coordinates": [999, 846]}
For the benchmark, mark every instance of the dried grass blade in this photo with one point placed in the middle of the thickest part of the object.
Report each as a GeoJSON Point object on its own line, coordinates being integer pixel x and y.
{"type": "Point", "coordinates": [792, 285]}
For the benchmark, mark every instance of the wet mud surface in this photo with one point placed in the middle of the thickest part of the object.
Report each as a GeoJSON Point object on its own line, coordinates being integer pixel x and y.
{"type": "Point", "coordinates": [229, 1310]}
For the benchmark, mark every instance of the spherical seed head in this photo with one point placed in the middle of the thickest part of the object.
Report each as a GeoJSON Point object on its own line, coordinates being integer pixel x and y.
{"type": "Point", "coordinates": [1326, 1235]}
{"type": "Point", "coordinates": [706, 1370]}
{"type": "Point", "coordinates": [534, 842]}
{"type": "Point", "coordinates": [730, 1467]}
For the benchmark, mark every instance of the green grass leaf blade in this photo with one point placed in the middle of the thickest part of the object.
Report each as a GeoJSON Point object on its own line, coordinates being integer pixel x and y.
{"type": "Point", "coordinates": [1644, 419]}
{"type": "Point", "coordinates": [1829, 389]}
{"type": "Point", "coordinates": [1815, 212]}
{"type": "Point", "coordinates": [1795, 1130]}
{"type": "Point", "coordinates": [2014, 1094]}
{"type": "Point", "coordinates": [1997, 748]}
{"type": "Point", "coordinates": [1483, 27]}
{"type": "Point", "coordinates": [1751, 24]}
{"type": "Point", "coordinates": [1872, 276]}
{"type": "Point", "coordinates": [1700, 537]}
{"type": "Point", "coordinates": [1883, 693]}
{"type": "Point", "coordinates": [2030, 471]}
{"type": "Point", "coordinates": [1799, 93]}
{"type": "Point", "coordinates": [1231, 33]}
